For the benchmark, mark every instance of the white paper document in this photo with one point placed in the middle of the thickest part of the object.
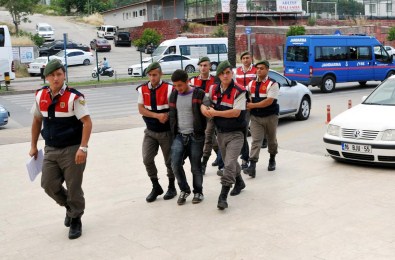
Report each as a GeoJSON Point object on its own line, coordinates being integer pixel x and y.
{"type": "Point", "coordinates": [34, 166]}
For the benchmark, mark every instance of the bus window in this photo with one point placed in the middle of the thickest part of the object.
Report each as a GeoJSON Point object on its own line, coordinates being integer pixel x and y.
{"type": "Point", "coordinates": [330, 53]}
{"type": "Point", "coordinates": [2, 37]}
{"type": "Point", "coordinates": [297, 53]}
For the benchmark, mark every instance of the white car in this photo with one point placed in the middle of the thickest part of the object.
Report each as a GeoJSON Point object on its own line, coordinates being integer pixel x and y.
{"type": "Point", "coordinates": [45, 31]}
{"type": "Point", "coordinates": [34, 68]}
{"type": "Point", "coordinates": [390, 50]}
{"type": "Point", "coordinates": [168, 63]}
{"type": "Point", "coordinates": [74, 57]}
{"type": "Point", "coordinates": [366, 132]}
{"type": "Point", "coordinates": [294, 98]}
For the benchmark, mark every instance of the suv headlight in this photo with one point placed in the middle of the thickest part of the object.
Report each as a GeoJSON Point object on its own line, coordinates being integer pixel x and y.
{"type": "Point", "coordinates": [388, 135]}
{"type": "Point", "coordinates": [333, 130]}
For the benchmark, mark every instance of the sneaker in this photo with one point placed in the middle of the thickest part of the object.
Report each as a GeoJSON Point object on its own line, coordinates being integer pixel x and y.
{"type": "Point", "coordinates": [197, 198]}
{"type": "Point", "coordinates": [220, 172]}
{"type": "Point", "coordinates": [244, 164]}
{"type": "Point", "coordinates": [183, 197]}
{"type": "Point", "coordinates": [215, 163]}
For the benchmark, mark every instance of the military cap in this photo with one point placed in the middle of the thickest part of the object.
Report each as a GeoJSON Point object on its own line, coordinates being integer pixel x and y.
{"type": "Point", "coordinates": [203, 59]}
{"type": "Point", "coordinates": [264, 62]}
{"type": "Point", "coordinates": [244, 53]}
{"type": "Point", "coordinates": [51, 66]}
{"type": "Point", "coordinates": [152, 66]}
{"type": "Point", "coordinates": [223, 66]}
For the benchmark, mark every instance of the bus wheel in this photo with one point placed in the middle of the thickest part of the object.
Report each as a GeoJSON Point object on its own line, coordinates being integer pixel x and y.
{"type": "Point", "coordinates": [362, 83]}
{"type": "Point", "coordinates": [328, 84]}
{"type": "Point", "coordinates": [213, 66]}
{"type": "Point", "coordinates": [391, 73]}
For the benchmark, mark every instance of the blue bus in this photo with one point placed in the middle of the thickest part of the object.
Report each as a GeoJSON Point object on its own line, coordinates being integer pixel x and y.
{"type": "Point", "coordinates": [324, 60]}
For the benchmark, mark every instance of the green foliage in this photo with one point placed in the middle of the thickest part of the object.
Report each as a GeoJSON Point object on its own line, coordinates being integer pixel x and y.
{"type": "Point", "coordinates": [220, 32]}
{"type": "Point", "coordinates": [37, 39]}
{"type": "Point", "coordinates": [83, 6]}
{"type": "Point", "coordinates": [48, 10]}
{"type": "Point", "coordinates": [311, 21]}
{"type": "Point", "coordinates": [391, 34]}
{"type": "Point", "coordinates": [149, 36]}
{"type": "Point", "coordinates": [296, 30]}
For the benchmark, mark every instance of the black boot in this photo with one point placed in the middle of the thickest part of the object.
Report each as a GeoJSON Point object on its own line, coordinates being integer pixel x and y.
{"type": "Point", "coordinates": [264, 143]}
{"type": "Point", "coordinates": [204, 164]}
{"type": "Point", "coordinates": [75, 228]}
{"type": "Point", "coordinates": [222, 203]}
{"type": "Point", "coordinates": [156, 190]}
{"type": "Point", "coordinates": [171, 191]}
{"type": "Point", "coordinates": [251, 169]}
{"type": "Point", "coordinates": [272, 163]}
{"type": "Point", "coordinates": [239, 185]}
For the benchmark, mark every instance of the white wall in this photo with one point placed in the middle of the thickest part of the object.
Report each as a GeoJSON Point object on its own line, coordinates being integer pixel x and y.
{"type": "Point", "coordinates": [127, 17]}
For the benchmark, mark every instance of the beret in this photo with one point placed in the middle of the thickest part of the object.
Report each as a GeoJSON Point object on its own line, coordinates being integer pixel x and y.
{"type": "Point", "coordinates": [52, 65]}
{"type": "Point", "coordinates": [264, 62]}
{"type": "Point", "coordinates": [244, 53]}
{"type": "Point", "coordinates": [223, 66]}
{"type": "Point", "coordinates": [203, 59]}
{"type": "Point", "coordinates": [152, 66]}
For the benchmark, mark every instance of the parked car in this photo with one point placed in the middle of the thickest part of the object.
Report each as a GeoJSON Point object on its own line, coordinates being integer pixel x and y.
{"type": "Point", "coordinates": [56, 46]}
{"type": "Point", "coordinates": [34, 68]}
{"type": "Point", "coordinates": [390, 50]}
{"type": "Point", "coordinates": [4, 115]}
{"type": "Point", "coordinates": [74, 57]}
{"type": "Point", "coordinates": [366, 132]}
{"type": "Point", "coordinates": [106, 31]}
{"type": "Point", "coordinates": [45, 31]}
{"type": "Point", "coordinates": [100, 45]}
{"type": "Point", "coordinates": [122, 38]}
{"type": "Point", "coordinates": [168, 63]}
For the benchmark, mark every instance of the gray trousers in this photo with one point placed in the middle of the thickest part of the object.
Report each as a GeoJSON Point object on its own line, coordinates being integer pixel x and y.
{"type": "Point", "coordinates": [210, 141]}
{"type": "Point", "coordinates": [261, 127]}
{"type": "Point", "coordinates": [59, 166]}
{"type": "Point", "coordinates": [230, 144]}
{"type": "Point", "coordinates": [151, 143]}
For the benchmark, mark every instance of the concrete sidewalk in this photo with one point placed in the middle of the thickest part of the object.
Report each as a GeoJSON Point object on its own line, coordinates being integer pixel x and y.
{"type": "Point", "coordinates": [309, 208]}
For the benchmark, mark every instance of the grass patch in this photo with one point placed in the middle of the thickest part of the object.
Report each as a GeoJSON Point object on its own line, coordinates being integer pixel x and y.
{"type": "Point", "coordinates": [95, 19]}
{"type": "Point", "coordinates": [21, 70]}
{"type": "Point", "coordinates": [21, 41]}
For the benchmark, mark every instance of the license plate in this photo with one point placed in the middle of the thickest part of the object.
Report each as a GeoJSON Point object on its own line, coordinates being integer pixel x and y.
{"type": "Point", "coordinates": [5, 119]}
{"type": "Point", "coordinates": [104, 47]}
{"type": "Point", "coordinates": [35, 67]}
{"type": "Point", "coordinates": [356, 148]}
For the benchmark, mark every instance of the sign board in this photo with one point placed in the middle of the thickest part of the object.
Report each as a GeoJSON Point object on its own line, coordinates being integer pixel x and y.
{"type": "Point", "coordinates": [26, 54]}
{"type": "Point", "coordinates": [248, 30]}
{"type": "Point", "coordinates": [15, 53]}
{"type": "Point", "coordinates": [241, 6]}
{"type": "Point", "coordinates": [198, 52]}
{"type": "Point", "coordinates": [289, 5]}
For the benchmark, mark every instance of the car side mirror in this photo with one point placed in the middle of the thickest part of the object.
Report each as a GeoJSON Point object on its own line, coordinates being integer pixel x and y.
{"type": "Point", "coordinates": [293, 83]}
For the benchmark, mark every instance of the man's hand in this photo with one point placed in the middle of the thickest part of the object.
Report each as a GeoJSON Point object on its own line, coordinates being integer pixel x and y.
{"type": "Point", "coordinates": [33, 152]}
{"type": "Point", "coordinates": [250, 105]}
{"type": "Point", "coordinates": [80, 157]}
{"type": "Point", "coordinates": [162, 117]}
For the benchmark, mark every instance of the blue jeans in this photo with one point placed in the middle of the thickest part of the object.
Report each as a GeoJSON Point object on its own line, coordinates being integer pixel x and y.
{"type": "Point", "coordinates": [188, 146]}
{"type": "Point", "coordinates": [220, 162]}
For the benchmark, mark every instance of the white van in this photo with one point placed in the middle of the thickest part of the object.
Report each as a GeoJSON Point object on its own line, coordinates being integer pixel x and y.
{"type": "Point", "coordinates": [45, 31]}
{"type": "Point", "coordinates": [6, 57]}
{"type": "Point", "coordinates": [214, 48]}
{"type": "Point", "coordinates": [106, 31]}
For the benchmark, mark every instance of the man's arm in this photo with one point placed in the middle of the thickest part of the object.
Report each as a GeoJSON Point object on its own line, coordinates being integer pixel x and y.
{"type": "Point", "coordinates": [80, 156]}
{"type": "Point", "coordinates": [36, 128]}
{"type": "Point", "coordinates": [264, 103]}
{"type": "Point", "coordinates": [162, 117]}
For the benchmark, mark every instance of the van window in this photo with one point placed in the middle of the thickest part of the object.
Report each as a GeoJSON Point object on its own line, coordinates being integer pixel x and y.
{"type": "Point", "coordinates": [297, 53]}
{"type": "Point", "coordinates": [211, 48]}
{"type": "Point", "coordinates": [2, 37]}
{"type": "Point", "coordinates": [110, 29]}
{"type": "Point", "coordinates": [380, 54]}
{"type": "Point", "coordinates": [330, 53]}
{"type": "Point", "coordinates": [360, 53]}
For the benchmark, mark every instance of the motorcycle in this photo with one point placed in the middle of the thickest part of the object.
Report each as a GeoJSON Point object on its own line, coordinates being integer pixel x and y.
{"type": "Point", "coordinates": [107, 72]}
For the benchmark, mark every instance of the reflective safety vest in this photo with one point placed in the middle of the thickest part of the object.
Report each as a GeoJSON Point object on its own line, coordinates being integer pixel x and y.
{"type": "Point", "coordinates": [61, 127]}
{"type": "Point", "coordinates": [258, 92]}
{"type": "Point", "coordinates": [204, 85]}
{"type": "Point", "coordinates": [244, 79]}
{"type": "Point", "coordinates": [156, 100]}
{"type": "Point", "coordinates": [225, 101]}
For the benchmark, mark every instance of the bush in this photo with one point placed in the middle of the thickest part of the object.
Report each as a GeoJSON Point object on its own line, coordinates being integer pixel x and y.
{"type": "Point", "coordinates": [49, 10]}
{"type": "Point", "coordinates": [391, 34]}
{"type": "Point", "coordinates": [149, 36]}
{"type": "Point", "coordinates": [37, 39]}
{"type": "Point", "coordinates": [296, 30]}
{"type": "Point", "coordinates": [311, 21]}
{"type": "Point", "coordinates": [220, 32]}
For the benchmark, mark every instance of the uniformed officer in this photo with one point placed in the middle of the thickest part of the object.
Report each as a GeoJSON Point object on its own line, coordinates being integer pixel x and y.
{"type": "Point", "coordinates": [153, 105]}
{"type": "Point", "coordinates": [203, 81]}
{"type": "Point", "coordinates": [66, 127]}
{"type": "Point", "coordinates": [228, 111]}
{"type": "Point", "coordinates": [264, 115]}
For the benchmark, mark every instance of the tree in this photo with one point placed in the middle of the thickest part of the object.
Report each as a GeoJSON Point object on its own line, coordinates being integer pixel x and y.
{"type": "Point", "coordinates": [232, 32]}
{"type": "Point", "coordinates": [391, 34]}
{"type": "Point", "coordinates": [296, 30]}
{"type": "Point", "coordinates": [19, 10]}
{"type": "Point", "coordinates": [149, 36]}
